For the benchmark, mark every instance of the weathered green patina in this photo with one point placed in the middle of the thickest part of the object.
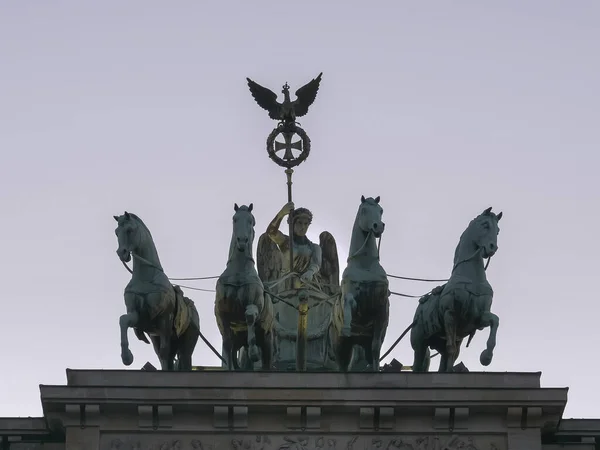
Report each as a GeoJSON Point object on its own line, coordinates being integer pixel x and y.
{"type": "Point", "coordinates": [244, 313]}
{"type": "Point", "coordinates": [361, 312]}
{"type": "Point", "coordinates": [154, 306]}
{"type": "Point", "coordinates": [463, 305]}
{"type": "Point", "coordinates": [313, 277]}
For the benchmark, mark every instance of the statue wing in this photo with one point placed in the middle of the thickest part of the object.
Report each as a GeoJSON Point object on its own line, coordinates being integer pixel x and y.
{"type": "Point", "coordinates": [306, 96]}
{"type": "Point", "coordinates": [268, 259]}
{"type": "Point", "coordinates": [330, 264]}
{"type": "Point", "coordinates": [266, 99]}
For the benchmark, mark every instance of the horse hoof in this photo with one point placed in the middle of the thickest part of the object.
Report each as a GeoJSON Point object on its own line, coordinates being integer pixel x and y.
{"type": "Point", "coordinates": [486, 357]}
{"type": "Point", "coordinates": [126, 356]}
{"type": "Point", "coordinates": [253, 353]}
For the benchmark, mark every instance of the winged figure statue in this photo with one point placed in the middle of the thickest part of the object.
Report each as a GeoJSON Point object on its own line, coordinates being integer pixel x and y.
{"type": "Point", "coordinates": [287, 111]}
{"type": "Point", "coordinates": [316, 265]}
{"type": "Point", "coordinates": [318, 276]}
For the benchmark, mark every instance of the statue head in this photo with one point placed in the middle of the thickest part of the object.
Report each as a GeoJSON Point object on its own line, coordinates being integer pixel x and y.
{"type": "Point", "coordinates": [302, 218]}
{"type": "Point", "coordinates": [483, 232]}
{"type": "Point", "coordinates": [243, 226]}
{"type": "Point", "coordinates": [369, 216]}
{"type": "Point", "coordinates": [129, 231]}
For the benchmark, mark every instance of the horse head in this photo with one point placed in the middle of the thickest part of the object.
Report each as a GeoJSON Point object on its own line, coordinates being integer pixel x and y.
{"type": "Point", "coordinates": [483, 232]}
{"type": "Point", "coordinates": [129, 235]}
{"type": "Point", "coordinates": [243, 227]}
{"type": "Point", "coordinates": [369, 216]}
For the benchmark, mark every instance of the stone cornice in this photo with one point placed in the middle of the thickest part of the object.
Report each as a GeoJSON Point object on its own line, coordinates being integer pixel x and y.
{"type": "Point", "coordinates": [229, 400]}
{"type": "Point", "coordinates": [326, 380]}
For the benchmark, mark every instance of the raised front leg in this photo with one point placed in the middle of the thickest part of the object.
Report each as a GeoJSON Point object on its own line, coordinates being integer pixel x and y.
{"type": "Point", "coordinates": [127, 321]}
{"type": "Point", "coordinates": [349, 311]}
{"type": "Point", "coordinates": [489, 319]}
{"type": "Point", "coordinates": [251, 318]}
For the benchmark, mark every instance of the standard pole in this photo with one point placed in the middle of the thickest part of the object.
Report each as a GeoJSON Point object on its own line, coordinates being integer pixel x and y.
{"type": "Point", "coordinates": [289, 173]}
{"type": "Point", "coordinates": [301, 337]}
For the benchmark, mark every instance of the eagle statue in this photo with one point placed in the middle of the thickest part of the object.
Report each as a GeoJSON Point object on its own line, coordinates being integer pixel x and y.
{"type": "Point", "coordinates": [287, 111]}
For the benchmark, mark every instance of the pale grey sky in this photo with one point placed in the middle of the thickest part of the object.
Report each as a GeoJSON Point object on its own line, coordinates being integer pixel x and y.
{"type": "Point", "coordinates": [441, 108]}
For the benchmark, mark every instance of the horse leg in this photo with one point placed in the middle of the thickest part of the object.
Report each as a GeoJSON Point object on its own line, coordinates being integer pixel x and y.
{"type": "Point", "coordinates": [234, 356]}
{"type": "Point", "coordinates": [349, 310]}
{"type": "Point", "coordinates": [156, 345]}
{"type": "Point", "coordinates": [251, 318]}
{"type": "Point", "coordinates": [489, 319]}
{"type": "Point", "coordinates": [187, 344]}
{"type": "Point", "coordinates": [126, 321]}
{"type": "Point", "coordinates": [165, 334]}
{"type": "Point", "coordinates": [267, 349]}
{"type": "Point", "coordinates": [421, 350]}
{"type": "Point", "coordinates": [443, 361]}
{"type": "Point", "coordinates": [450, 329]}
{"type": "Point", "coordinates": [228, 348]}
{"type": "Point", "coordinates": [375, 352]}
{"type": "Point", "coordinates": [379, 329]}
{"type": "Point", "coordinates": [344, 353]}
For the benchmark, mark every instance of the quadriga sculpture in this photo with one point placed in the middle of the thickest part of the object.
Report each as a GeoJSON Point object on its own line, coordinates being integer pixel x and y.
{"type": "Point", "coordinates": [244, 313]}
{"type": "Point", "coordinates": [361, 313]}
{"type": "Point", "coordinates": [154, 306]}
{"type": "Point", "coordinates": [462, 306]}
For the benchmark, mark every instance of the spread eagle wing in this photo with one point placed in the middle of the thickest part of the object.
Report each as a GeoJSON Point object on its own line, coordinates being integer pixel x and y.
{"type": "Point", "coordinates": [269, 260]}
{"type": "Point", "coordinates": [330, 264]}
{"type": "Point", "coordinates": [306, 96]}
{"type": "Point", "coordinates": [266, 99]}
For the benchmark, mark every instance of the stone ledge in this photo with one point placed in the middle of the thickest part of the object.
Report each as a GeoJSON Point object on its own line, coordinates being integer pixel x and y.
{"type": "Point", "coordinates": [325, 380]}
{"type": "Point", "coordinates": [291, 395]}
{"type": "Point", "coordinates": [23, 426]}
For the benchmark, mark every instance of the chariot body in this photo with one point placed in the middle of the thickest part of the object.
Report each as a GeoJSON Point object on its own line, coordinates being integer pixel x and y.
{"type": "Point", "coordinates": [303, 295]}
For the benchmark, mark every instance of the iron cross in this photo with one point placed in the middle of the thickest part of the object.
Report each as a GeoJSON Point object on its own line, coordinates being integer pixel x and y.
{"type": "Point", "coordinates": [288, 145]}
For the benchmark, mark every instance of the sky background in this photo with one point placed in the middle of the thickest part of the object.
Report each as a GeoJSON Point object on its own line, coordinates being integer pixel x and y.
{"type": "Point", "coordinates": [441, 108]}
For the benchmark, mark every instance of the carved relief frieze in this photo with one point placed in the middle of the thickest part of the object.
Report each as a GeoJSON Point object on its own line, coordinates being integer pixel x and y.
{"type": "Point", "coordinates": [308, 442]}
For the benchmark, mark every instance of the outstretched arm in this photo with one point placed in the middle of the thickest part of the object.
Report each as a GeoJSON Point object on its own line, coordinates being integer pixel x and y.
{"type": "Point", "coordinates": [273, 229]}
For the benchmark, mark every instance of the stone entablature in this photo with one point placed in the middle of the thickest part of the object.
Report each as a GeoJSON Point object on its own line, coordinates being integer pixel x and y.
{"type": "Point", "coordinates": [214, 410]}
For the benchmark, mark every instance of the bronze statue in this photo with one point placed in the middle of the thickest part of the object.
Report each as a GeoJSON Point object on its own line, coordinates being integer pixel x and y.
{"type": "Point", "coordinates": [315, 275]}
{"type": "Point", "coordinates": [463, 305]}
{"type": "Point", "coordinates": [287, 111]}
{"type": "Point", "coordinates": [154, 306]}
{"type": "Point", "coordinates": [361, 313]}
{"type": "Point", "coordinates": [244, 313]}
{"type": "Point", "coordinates": [308, 257]}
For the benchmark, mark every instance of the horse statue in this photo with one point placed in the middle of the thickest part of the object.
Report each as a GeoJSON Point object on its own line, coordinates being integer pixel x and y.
{"type": "Point", "coordinates": [361, 313]}
{"type": "Point", "coordinates": [154, 306]}
{"type": "Point", "coordinates": [462, 306]}
{"type": "Point", "coordinates": [244, 313]}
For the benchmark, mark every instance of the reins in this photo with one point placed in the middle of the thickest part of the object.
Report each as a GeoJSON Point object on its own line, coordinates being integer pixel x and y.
{"type": "Point", "coordinates": [476, 253]}
{"type": "Point", "coordinates": [276, 282]}
{"type": "Point", "coordinates": [206, 341]}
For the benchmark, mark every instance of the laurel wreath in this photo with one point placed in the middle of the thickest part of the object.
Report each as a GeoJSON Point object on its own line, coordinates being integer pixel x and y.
{"type": "Point", "coordinates": [293, 162]}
